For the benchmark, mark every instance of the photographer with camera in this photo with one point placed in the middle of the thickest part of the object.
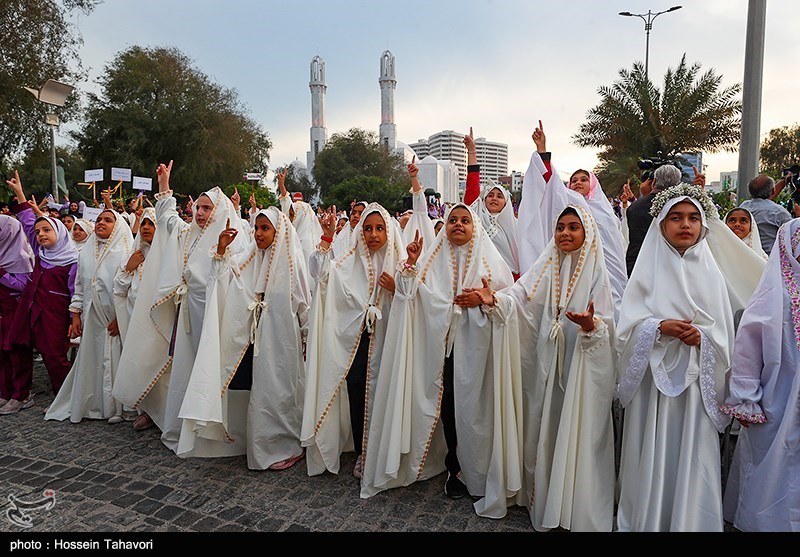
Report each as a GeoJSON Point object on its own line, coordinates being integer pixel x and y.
{"type": "Point", "coordinates": [768, 214]}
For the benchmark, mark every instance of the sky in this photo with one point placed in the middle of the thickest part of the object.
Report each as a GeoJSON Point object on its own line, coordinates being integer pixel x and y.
{"type": "Point", "coordinates": [499, 66]}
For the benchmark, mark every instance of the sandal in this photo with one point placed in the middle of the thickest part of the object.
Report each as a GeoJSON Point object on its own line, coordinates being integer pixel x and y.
{"type": "Point", "coordinates": [359, 466]}
{"type": "Point", "coordinates": [288, 463]}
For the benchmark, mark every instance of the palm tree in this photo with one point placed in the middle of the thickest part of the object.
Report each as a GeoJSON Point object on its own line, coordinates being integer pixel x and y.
{"type": "Point", "coordinates": [635, 119]}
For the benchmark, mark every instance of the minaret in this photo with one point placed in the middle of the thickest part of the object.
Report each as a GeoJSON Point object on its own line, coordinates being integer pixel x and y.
{"type": "Point", "coordinates": [388, 82]}
{"type": "Point", "coordinates": [319, 133]}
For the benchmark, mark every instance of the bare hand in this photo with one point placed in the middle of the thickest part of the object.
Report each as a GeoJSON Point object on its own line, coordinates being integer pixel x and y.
{"type": "Point", "coordinates": [540, 139]}
{"type": "Point", "coordinates": [468, 300]}
{"type": "Point", "coordinates": [414, 249]}
{"type": "Point", "coordinates": [253, 204]}
{"type": "Point", "coordinates": [682, 330]}
{"type": "Point", "coordinates": [106, 195]}
{"type": "Point", "coordinates": [627, 193]}
{"type": "Point", "coordinates": [413, 169]}
{"type": "Point", "coordinates": [646, 187]}
{"type": "Point", "coordinates": [16, 186]}
{"type": "Point", "coordinates": [484, 293]}
{"type": "Point", "coordinates": [469, 141]}
{"type": "Point", "coordinates": [699, 178]}
{"type": "Point", "coordinates": [226, 237]}
{"type": "Point", "coordinates": [37, 210]}
{"type": "Point", "coordinates": [691, 337]}
{"type": "Point", "coordinates": [164, 171]}
{"type": "Point", "coordinates": [136, 259]}
{"type": "Point", "coordinates": [585, 320]}
{"type": "Point", "coordinates": [76, 328]}
{"type": "Point", "coordinates": [282, 181]}
{"type": "Point", "coordinates": [328, 222]}
{"type": "Point", "coordinates": [236, 199]}
{"type": "Point", "coordinates": [113, 328]}
{"type": "Point", "coordinates": [386, 281]}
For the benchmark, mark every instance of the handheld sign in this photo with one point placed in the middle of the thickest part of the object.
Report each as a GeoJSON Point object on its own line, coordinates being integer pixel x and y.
{"type": "Point", "coordinates": [95, 175]}
{"type": "Point", "coordinates": [121, 174]}
{"type": "Point", "coordinates": [140, 183]}
{"type": "Point", "coordinates": [252, 176]}
{"type": "Point", "coordinates": [91, 213]}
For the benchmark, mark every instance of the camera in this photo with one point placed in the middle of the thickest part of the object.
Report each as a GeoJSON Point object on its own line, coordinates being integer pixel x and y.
{"type": "Point", "coordinates": [650, 165]}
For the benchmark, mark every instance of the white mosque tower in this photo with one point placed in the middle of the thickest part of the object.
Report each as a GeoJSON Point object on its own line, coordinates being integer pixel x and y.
{"type": "Point", "coordinates": [319, 133]}
{"type": "Point", "coordinates": [388, 82]}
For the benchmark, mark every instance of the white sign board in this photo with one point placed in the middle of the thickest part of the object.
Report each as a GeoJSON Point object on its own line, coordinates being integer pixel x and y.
{"type": "Point", "coordinates": [140, 183]}
{"type": "Point", "coordinates": [252, 176]}
{"type": "Point", "coordinates": [91, 213]}
{"type": "Point", "coordinates": [95, 175]}
{"type": "Point", "coordinates": [121, 174]}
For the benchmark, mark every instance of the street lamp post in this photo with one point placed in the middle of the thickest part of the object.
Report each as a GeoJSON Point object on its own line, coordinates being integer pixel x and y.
{"type": "Point", "coordinates": [648, 19]}
{"type": "Point", "coordinates": [53, 93]}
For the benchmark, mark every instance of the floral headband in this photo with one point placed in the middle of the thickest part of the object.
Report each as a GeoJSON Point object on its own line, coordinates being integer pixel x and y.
{"type": "Point", "coordinates": [689, 190]}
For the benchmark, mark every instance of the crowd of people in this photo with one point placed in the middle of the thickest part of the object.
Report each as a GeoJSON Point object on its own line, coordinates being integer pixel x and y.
{"type": "Point", "coordinates": [487, 343]}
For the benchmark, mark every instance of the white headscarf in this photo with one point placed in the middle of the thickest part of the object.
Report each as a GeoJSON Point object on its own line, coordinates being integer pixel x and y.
{"type": "Point", "coordinates": [138, 243]}
{"type": "Point", "coordinates": [500, 227]}
{"type": "Point", "coordinates": [752, 240]}
{"type": "Point", "coordinates": [87, 226]}
{"type": "Point", "coordinates": [665, 285]}
{"type": "Point", "coordinates": [307, 226]}
{"type": "Point", "coordinates": [64, 252]}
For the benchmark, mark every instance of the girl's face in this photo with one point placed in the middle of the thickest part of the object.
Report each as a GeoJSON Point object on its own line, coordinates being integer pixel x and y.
{"type": "Point", "coordinates": [739, 222]}
{"type": "Point", "coordinates": [264, 232]}
{"type": "Point", "coordinates": [69, 221]}
{"type": "Point", "coordinates": [104, 225]}
{"type": "Point", "coordinates": [682, 226]}
{"type": "Point", "coordinates": [580, 183]}
{"type": "Point", "coordinates": [375, 231]}
{"type": "Point", "coordinates": [73, 207]}
{"type": "Point", "coordinates": [570, 233]}
{"type": "Point", "coordinates": [203, 209]}
{"type": "Point", "coordinates": [459, 227]}
{"type": "Point", "coordinates": [340, 225]}
{"type": "Point", "coordinates": [79, 234]}
{"type": "Point", "coordinates": [147, 230]}
{"type": "Point", "coordinates": [438, 226]}
{"type": "Point", "coordinates": [46, 235]}
{"type": "Point", "coordinates": [495, 201]}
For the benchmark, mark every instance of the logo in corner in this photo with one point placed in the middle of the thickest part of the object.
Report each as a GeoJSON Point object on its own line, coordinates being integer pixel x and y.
{"type": "Point", "coordinates": [19, 509]}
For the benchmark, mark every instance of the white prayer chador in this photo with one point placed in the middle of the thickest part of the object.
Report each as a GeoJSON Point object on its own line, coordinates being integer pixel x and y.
{"type": "Point", "coordinates": [762, 493]}
{"type": "Point", "coordinates": [567, 384]}
{"type": "Point", "coordinates": [305, 223]}
{"type": "Point", "coordinates": [126, 285]}
{"type": "Point", "coordinates": [87, 390]}
{"type": "Point", "coordinates": [670, 465]}
{"type": "Point", "coordinates": [347, 300]}
{"type": "Point", "coordinates": [258, 297]}
{"type": "Point", "coordinates": [500, 227]}
{"type": "Point", "coordinates": [87, 226]}
{"type": "Point", "coordinates": [419, 221]}
{"type": "Point", "coordinates": [343, 240]}
{"type": "Point", "coordinates": [406, 440]}
{"type": "Point", "coordinates": [752, 240]}
{"type": "Point", "coordinates": [153, 371]}
{"type": "Point", "coordinates": [540, 207]}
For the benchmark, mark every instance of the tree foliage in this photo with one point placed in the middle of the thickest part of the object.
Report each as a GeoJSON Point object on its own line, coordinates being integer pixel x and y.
{"type": "Point", "coordinates": [35, 173]}
{"type": "Point", "coordinates": [297, 181]}
{"type": "Point", "coordinates": [781, 149]}
{"type": "Point", "coordinates": [155, 107]}
{"type": "Point", "coordinates": [635, 119]}
{"type": "Point", "coordinates": [356, 161]}
{"type": "Point", "coordinates": [38, 43]}
{"type": "Point", "coordinates": [264, 197]}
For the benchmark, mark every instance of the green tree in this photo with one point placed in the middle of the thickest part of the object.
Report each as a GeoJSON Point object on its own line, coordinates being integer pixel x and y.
{"type": "Point", "coordinates": [35, 171]}
{"type": "Point", "coordinates": [367, 188]}
{"type": "Point", "coordinates": [781, 149]}
{"type": "Point", "coordinates": [297, 181]}
{"type": "Point", "coordinates": [155, 107]}
{"type": "Point", "coordinates": [39, 43]}
{"type": "Point", "coordinates": [264, 197]}
{"type": "Point", "coordinates": [357, 155]}
{"type": "Point", "coordinates": [634, 119]}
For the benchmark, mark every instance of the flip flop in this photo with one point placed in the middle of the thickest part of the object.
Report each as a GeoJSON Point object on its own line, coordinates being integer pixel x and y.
{"type": "Point", "coordinates": [288, 463]}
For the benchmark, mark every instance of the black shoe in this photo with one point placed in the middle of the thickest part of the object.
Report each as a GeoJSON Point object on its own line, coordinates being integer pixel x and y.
{"type": "Point", "coordinates": [454, 488]}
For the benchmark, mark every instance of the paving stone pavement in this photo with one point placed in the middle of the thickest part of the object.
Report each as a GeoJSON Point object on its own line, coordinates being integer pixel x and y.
{"type": "Point", "coordinates": [110, 478]}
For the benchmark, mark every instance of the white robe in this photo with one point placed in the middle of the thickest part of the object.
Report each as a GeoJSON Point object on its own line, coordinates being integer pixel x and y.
{"type": "Point", "coordinates": [87, 389]}
{"type": "Point", "coordinates": [260, 297]}
{"type": "Point", "coordinates": [347, 299]}
{"type": "Point", "coordinates": [500, 227]}
{"type": "Point", "coordinates": [172, 299]}
{"type": "Point", "coordinates": [405, 442]}
{"type": "Point", "coordinates": [419, 221]}
{"type": "Point", "coordinates": [126, 285]}
{"type": "Point", "coordinates": [763, 488]}
{"type": "Point", "coordinates": [567, 385]}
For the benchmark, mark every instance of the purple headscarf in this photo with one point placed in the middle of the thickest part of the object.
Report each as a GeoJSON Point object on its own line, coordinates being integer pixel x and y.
{"type": "Point", "coordinates": [16, 255]}
{"type": "Point", "coordinates": [64, 252]}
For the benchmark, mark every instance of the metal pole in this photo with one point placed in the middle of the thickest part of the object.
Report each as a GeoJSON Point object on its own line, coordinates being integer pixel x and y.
{"type": "Point", "coordinates": [53, 162]}
{"type": "Point", "coordinates": [749, 145]}
{"type": "Point", "coordinates": [647, 53]}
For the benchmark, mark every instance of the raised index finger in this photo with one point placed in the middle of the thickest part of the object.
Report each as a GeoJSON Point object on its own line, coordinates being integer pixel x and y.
{"type": "Point", "coordinates": [541, 127]}
{"type": "Point", "coordinates": [228, 223]}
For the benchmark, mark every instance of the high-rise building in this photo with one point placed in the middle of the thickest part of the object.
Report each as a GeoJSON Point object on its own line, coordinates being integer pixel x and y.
{"type": "Point", "coordinates": [493, 159]}
{"type": "Point", "coordinates": [449, 145]}
{"type": "Point", "coordinates": [319, 133]}
{"type": "Point", "coordinates": [421, 148]}
{"type": "Point", "coordinates": [686, 160]}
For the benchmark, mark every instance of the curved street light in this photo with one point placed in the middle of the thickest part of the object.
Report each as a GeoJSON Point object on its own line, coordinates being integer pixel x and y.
{"type": "Point", "coordinates": [648, 19]}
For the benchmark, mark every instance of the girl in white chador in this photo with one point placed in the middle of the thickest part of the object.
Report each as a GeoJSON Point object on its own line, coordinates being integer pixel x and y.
{"type": "Point", "coordinates": [128, 280]}
{"type": "Point", "coordinates": [252, 342]}
{"type": "Point", "coordinates": [496, 211]}
{"type": "Point", "coordinates": [86, 392]}
{"type": "Point", "coordinates": [164, 330]}
{"type": "Point", "coordinates": [762, 493]}
{"type": "Point", "coordinates": [560, 318]}
{"type": "Point", "coordinates": [445, 399]}
{"type": "Point", "coordinates": [675, 339]}
{"type": "Point", "coordinates": [742, 223]}
{"type": "Point", "coordinates": [349, 312]}
{"type": "Point", "coordinates": [419, 223]}
{"type": "Point", "coordinates": [542, 202]}
{"type": "Point", "coordinates": [82, 233]}
{"type": "Point", "coordinates": [344, 239]}
{"type": "Point", "coordinates": [302, 217]}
